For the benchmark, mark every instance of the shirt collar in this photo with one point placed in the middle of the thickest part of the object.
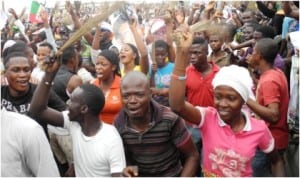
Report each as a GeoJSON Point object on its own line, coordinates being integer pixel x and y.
{"type": "Point", "coordinates": [247, 126]}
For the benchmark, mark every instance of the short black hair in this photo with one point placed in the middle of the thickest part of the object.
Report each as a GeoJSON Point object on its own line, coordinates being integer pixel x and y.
{"type": "Point", "coordinates": [42, 35]}
{"type": "Point", "coordinates": [161, 44]}
{"type": "Point", "coordinates": [46, 44]}
{"type": "Point", "coordinates": [200, 40]}
{"type": "Point", "coordinates": [113, 58]}
{"type": "Point", "coordinates": [68, 53]}
{"type": "Point", "coordinates": [268, 49]}
{"type": "Point", "coordinates": [11, 55]}
{"type": "Point", "coordinates": [266, 31]}
{"type": "Point", "coordinates": [93, 98]}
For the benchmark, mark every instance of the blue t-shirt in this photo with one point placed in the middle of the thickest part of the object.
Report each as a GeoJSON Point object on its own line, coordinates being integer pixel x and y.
{"type": "Point", "coordinates": [162, 76]}
{"type": "Point", "coordinates": [162, 79]}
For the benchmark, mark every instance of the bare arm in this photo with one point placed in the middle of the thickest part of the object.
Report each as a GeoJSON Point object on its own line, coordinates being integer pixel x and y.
{"type": "Point", "coordinates": [96, 39]}
{"type": "Point", "coordinates": [38, 106]}
{"type": "Point", "coordinates": [177, 87]}
{"type": "Point", "coordinates": [191, 162]}
{"type": "Point", "coordinates": [77, 24]}
{"type": "Point", "coordinates": [144, 62]}
{"type": "Point", "coordinates": [171, 50]}
{"type": "Point", "coordinates": [270, 113]}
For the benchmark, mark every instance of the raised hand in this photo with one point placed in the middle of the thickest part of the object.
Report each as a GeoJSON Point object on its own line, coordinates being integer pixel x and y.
{"type": "Point", "coordinates": [183, 36]}
{"type": "Point", "coordinates": [13, 12]}
{"type": "Point", "coordinates": [132, 22]}
{"type": "Point", "coordinates": [51, 63]}
{"type": "Point", "coordinates": [68, 7]}
{"type": "Point", "coordinates": [44, 16]}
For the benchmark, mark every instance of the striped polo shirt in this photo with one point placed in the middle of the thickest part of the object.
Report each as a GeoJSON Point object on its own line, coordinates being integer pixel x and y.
{"type": "Point", "coordinates": [155, 151]}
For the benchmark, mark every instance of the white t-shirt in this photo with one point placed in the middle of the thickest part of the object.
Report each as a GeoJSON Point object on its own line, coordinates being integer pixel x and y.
{"type": "Point", "coordinates": [25, 150]}
{"type": "Point", "coordinates": [99, 155]}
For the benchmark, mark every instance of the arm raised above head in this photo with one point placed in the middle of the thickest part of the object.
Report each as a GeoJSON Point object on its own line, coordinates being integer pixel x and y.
{"type": "Point", "coordinates": [183, 38]}
{"type": "Point", "coordinates": [38, 106]}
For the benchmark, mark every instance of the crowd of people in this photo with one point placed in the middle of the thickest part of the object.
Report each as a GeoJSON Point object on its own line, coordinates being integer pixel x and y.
{"type": "Point", "coordinates": [166, 89]}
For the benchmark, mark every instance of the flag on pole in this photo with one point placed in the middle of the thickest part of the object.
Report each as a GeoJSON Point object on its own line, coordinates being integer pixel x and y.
{"type": "Point", "coordinates": [34, 12]}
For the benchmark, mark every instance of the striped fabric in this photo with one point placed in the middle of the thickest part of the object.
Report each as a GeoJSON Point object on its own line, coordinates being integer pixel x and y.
{"type": "Point", "coordinates": [154, 151]}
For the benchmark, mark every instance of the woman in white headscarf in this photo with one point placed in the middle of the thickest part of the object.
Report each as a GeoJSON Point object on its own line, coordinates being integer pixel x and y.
{"type": "Point", "coordinates": [230, 136]}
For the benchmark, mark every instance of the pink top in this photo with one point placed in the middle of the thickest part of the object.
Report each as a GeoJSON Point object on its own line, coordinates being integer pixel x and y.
{"type": "Point", "coordinates": [226, 153]}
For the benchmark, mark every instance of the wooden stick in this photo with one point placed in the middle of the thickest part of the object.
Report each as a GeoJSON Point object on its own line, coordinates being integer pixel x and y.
{"type": "Point", "coordinates": [92, 22]}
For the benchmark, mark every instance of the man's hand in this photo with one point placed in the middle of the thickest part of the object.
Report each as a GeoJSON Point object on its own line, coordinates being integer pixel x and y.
{"type": "Point", "coordinates": [13, 12]}
{"type": "Point", "coordinates": [68, 7]}
{"type": "Point", "coordinates": [44, 16]}
{"type": "Point", "coordinates": [51, 64]}
{"type": "Point", "coordinates": [183, 36]}
{"type": "Point", "coordinates": [130, 171]}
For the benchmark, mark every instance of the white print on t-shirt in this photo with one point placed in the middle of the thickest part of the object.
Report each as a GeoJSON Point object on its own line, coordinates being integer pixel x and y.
{"type": "Point", "coordinates": [228, 162]}
{"type": "Point", "coordinates": [22, 108]}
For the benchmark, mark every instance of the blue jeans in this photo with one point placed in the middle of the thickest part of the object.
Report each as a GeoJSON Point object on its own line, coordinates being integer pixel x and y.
{"type": "Point", "coordinates": [261, 166]}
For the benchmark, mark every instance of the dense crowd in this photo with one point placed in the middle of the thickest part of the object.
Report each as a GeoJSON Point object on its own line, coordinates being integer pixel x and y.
{"type": "Point", "coordinates": [192, 89]}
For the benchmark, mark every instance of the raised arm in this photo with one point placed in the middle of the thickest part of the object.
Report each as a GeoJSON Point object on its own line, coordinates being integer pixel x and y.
{"type": "Point", "coordinates": [171, 54]}
{"type": "Point", "coordinates": [183, 39]}
{"type": "Point", "coordinates": [144, 62]}
{"type": "Point", "coordinates": [38, 106]}
{"type": "Point", "coordinates": [19, 24]}
{"type": "Point", "coordinates": [49, 35]}
{"type": "Point", "coordinates": [77, 24]}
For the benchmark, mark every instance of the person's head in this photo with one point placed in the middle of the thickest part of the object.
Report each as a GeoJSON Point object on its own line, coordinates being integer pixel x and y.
{"type": "Point", "coordinates": [129, 54]}
{"type": "Point", "coordinates": [21, 46]}
{"type": "Point", "coordinates": [136, 94]}
{"type": "Point", "coordinates": [228, 31]}
{"type": "Point", "coordinates": [107, 65]}
{"type": "Point", "coordinates": [86, 99]}
{"type": "Point", "coordinates": [39, 36]}
{"type": "Point", "coordinates": [44, 50]}
{"type": "Point", "coordinates": [17, 72]}
{"type": "Point", "coordinates": [232, 88]}
{"type": "Point", "coordinates": [248, 16]}
{"type": "Point", "coordinates": [161, 52]}
{"type": "Point", "coordinates": [201, 34]}
{"type": "Point", "coordinates": [242, 5]}
{"type": "Point", "coordinates": [105, 33]}
{"type": "Point", "coordinates": [265, 49]}
{"type": "Point", "coordinates": [70, 58]}
{"type": "Point", "coordinates": [264, 31]}
{"type": "Point", "coordinates": [216, 41]}
{"type": "Point", "coordinates": [198, 52]}
{"type": "Point", "coordinates": [248, 31]}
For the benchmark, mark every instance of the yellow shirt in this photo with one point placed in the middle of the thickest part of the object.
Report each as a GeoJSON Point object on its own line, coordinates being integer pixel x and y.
{"type": "Point", "coordinates": [136, 68]}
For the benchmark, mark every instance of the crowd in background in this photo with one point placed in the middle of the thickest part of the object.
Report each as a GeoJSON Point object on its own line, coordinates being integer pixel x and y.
{"type": "Point", "coordinates": [178, 88]}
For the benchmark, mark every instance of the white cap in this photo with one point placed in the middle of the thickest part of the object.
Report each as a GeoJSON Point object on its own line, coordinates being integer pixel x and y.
{"type": "Point", "coordinates": [156, 25]}
{"type": "Point", "coordinates": [237, 78]}
{"type": "Point", "coordinates": [106, 26]}
{"type": "Point", "coordinates": [8, 44]}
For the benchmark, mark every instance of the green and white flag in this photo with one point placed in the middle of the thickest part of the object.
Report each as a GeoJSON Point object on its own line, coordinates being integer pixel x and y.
{"type": "Point", "coordinates": [34, 12]}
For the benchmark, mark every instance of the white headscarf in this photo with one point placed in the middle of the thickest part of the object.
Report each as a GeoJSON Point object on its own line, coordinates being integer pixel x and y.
{"type": "Point", "coordinates": [237, 78]}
